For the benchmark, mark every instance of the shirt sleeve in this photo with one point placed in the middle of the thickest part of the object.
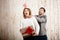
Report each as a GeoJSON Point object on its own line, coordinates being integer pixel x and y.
{"type": "Point", "coordinates": [21, 24]}
{"type": "Point", "coordinates": [37, 28]}
{"type": "Point", "coordinates": [43, 19]}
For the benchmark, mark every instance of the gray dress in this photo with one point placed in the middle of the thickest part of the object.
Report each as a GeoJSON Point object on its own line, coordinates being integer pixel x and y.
{"type": "Point", "coordinates": [42, 22]}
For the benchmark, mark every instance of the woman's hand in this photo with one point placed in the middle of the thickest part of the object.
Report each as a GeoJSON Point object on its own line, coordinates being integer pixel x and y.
{"type": "Point", "coordinates": [34, 34]}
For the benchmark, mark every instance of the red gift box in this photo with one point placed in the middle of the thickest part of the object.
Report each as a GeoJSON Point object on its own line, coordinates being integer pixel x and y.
{"type": "Point", "coordinates": [29, 30]}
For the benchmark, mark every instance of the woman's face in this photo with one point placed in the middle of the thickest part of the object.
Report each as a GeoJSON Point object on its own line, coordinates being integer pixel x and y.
{"type": "Point", "coordinates": [26, 12]}
{"type": "Point", "coordinates": [41, 11]}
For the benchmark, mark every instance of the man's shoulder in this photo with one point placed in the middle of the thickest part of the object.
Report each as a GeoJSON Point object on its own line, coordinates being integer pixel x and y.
{"type": "Point", "coordinates": [44, 16]}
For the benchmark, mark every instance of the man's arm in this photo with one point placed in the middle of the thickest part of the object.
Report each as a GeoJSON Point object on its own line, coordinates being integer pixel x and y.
{"type": "Point", "coordinates": [42, 20]}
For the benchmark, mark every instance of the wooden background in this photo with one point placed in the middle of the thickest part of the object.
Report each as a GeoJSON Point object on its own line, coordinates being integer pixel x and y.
{"type": "Point", "coordinates": [11, 14]}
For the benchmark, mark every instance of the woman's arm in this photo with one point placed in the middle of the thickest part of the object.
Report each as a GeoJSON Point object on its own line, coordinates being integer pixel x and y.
{"type": "Point", "coordinates": [21, 24]}
{"type": "Point", "coordinates": [37, 28]}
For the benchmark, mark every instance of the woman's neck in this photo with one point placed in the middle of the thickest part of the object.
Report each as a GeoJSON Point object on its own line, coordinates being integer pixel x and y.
{"type": "Point", "coordinates": [28, 16]}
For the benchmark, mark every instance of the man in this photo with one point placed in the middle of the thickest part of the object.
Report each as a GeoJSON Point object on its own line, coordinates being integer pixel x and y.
{"type": "Point", "coordinates": [41, 18]}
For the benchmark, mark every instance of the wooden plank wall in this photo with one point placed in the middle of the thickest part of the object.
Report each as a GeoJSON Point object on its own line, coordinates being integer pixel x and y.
{"type": "Point", "coordinates": [10, 20]}
{"type": "Point", "coordinates": [11, 14]}
{"type": "Point", "coordinates": [53, 17]}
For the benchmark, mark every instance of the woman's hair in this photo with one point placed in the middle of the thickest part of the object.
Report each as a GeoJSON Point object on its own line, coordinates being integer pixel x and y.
{"type": "Point", "coordinates": [43, 9]}
{"type": "Point", "coordinates": [24, 11]}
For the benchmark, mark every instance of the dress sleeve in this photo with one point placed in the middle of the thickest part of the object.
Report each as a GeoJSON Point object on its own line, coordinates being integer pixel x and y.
{"type": "Point", "coordinates": [21, 24]}
{"type": "Point", "coordinates": [37, 28]}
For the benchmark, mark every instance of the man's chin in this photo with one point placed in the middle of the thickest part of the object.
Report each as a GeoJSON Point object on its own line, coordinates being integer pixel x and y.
{"type": "Point", "coordinates": [40, 14]}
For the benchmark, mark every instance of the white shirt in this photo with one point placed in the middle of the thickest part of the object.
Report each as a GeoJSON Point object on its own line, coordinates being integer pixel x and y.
{"type": "Point", "coordinates": [30, 22]}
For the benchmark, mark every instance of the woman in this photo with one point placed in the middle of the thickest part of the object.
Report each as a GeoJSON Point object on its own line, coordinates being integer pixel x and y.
{"type": "Point", "coordinates": [29, 20]}
{"type": "Point", "coordinates": [41, 18]}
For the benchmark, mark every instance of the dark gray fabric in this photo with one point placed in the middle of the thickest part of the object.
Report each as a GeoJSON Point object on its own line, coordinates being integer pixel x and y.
{"type": "Point", "coordinates": [42, 22]}
{"type": "Point", "coordinates": [44, 37]}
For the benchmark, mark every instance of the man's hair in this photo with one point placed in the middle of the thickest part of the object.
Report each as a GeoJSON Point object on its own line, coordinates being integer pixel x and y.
{"type": "Point", "coordinates": [43, 9]}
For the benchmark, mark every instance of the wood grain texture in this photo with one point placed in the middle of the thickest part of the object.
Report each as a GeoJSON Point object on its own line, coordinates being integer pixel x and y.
{"type": "Point", "coordinates": [11, 14]}
{"type": "Point", "coordinates": [10, 20]}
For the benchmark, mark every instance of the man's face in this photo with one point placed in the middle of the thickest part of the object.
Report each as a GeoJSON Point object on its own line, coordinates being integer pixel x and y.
{"type": "Point", "coordinates": [41, 11]}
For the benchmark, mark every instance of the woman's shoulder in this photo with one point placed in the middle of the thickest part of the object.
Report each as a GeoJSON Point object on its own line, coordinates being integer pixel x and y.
{"type": "Point", "coordinates": [33, 17]}
{"type": "Point", "coordinates": [22, 19]}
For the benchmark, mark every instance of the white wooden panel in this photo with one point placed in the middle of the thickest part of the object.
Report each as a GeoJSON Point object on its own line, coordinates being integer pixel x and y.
{"type": "Point", "coordinates": [11, 11]}
{"type": "Point", "coordinates": [10, 20]}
